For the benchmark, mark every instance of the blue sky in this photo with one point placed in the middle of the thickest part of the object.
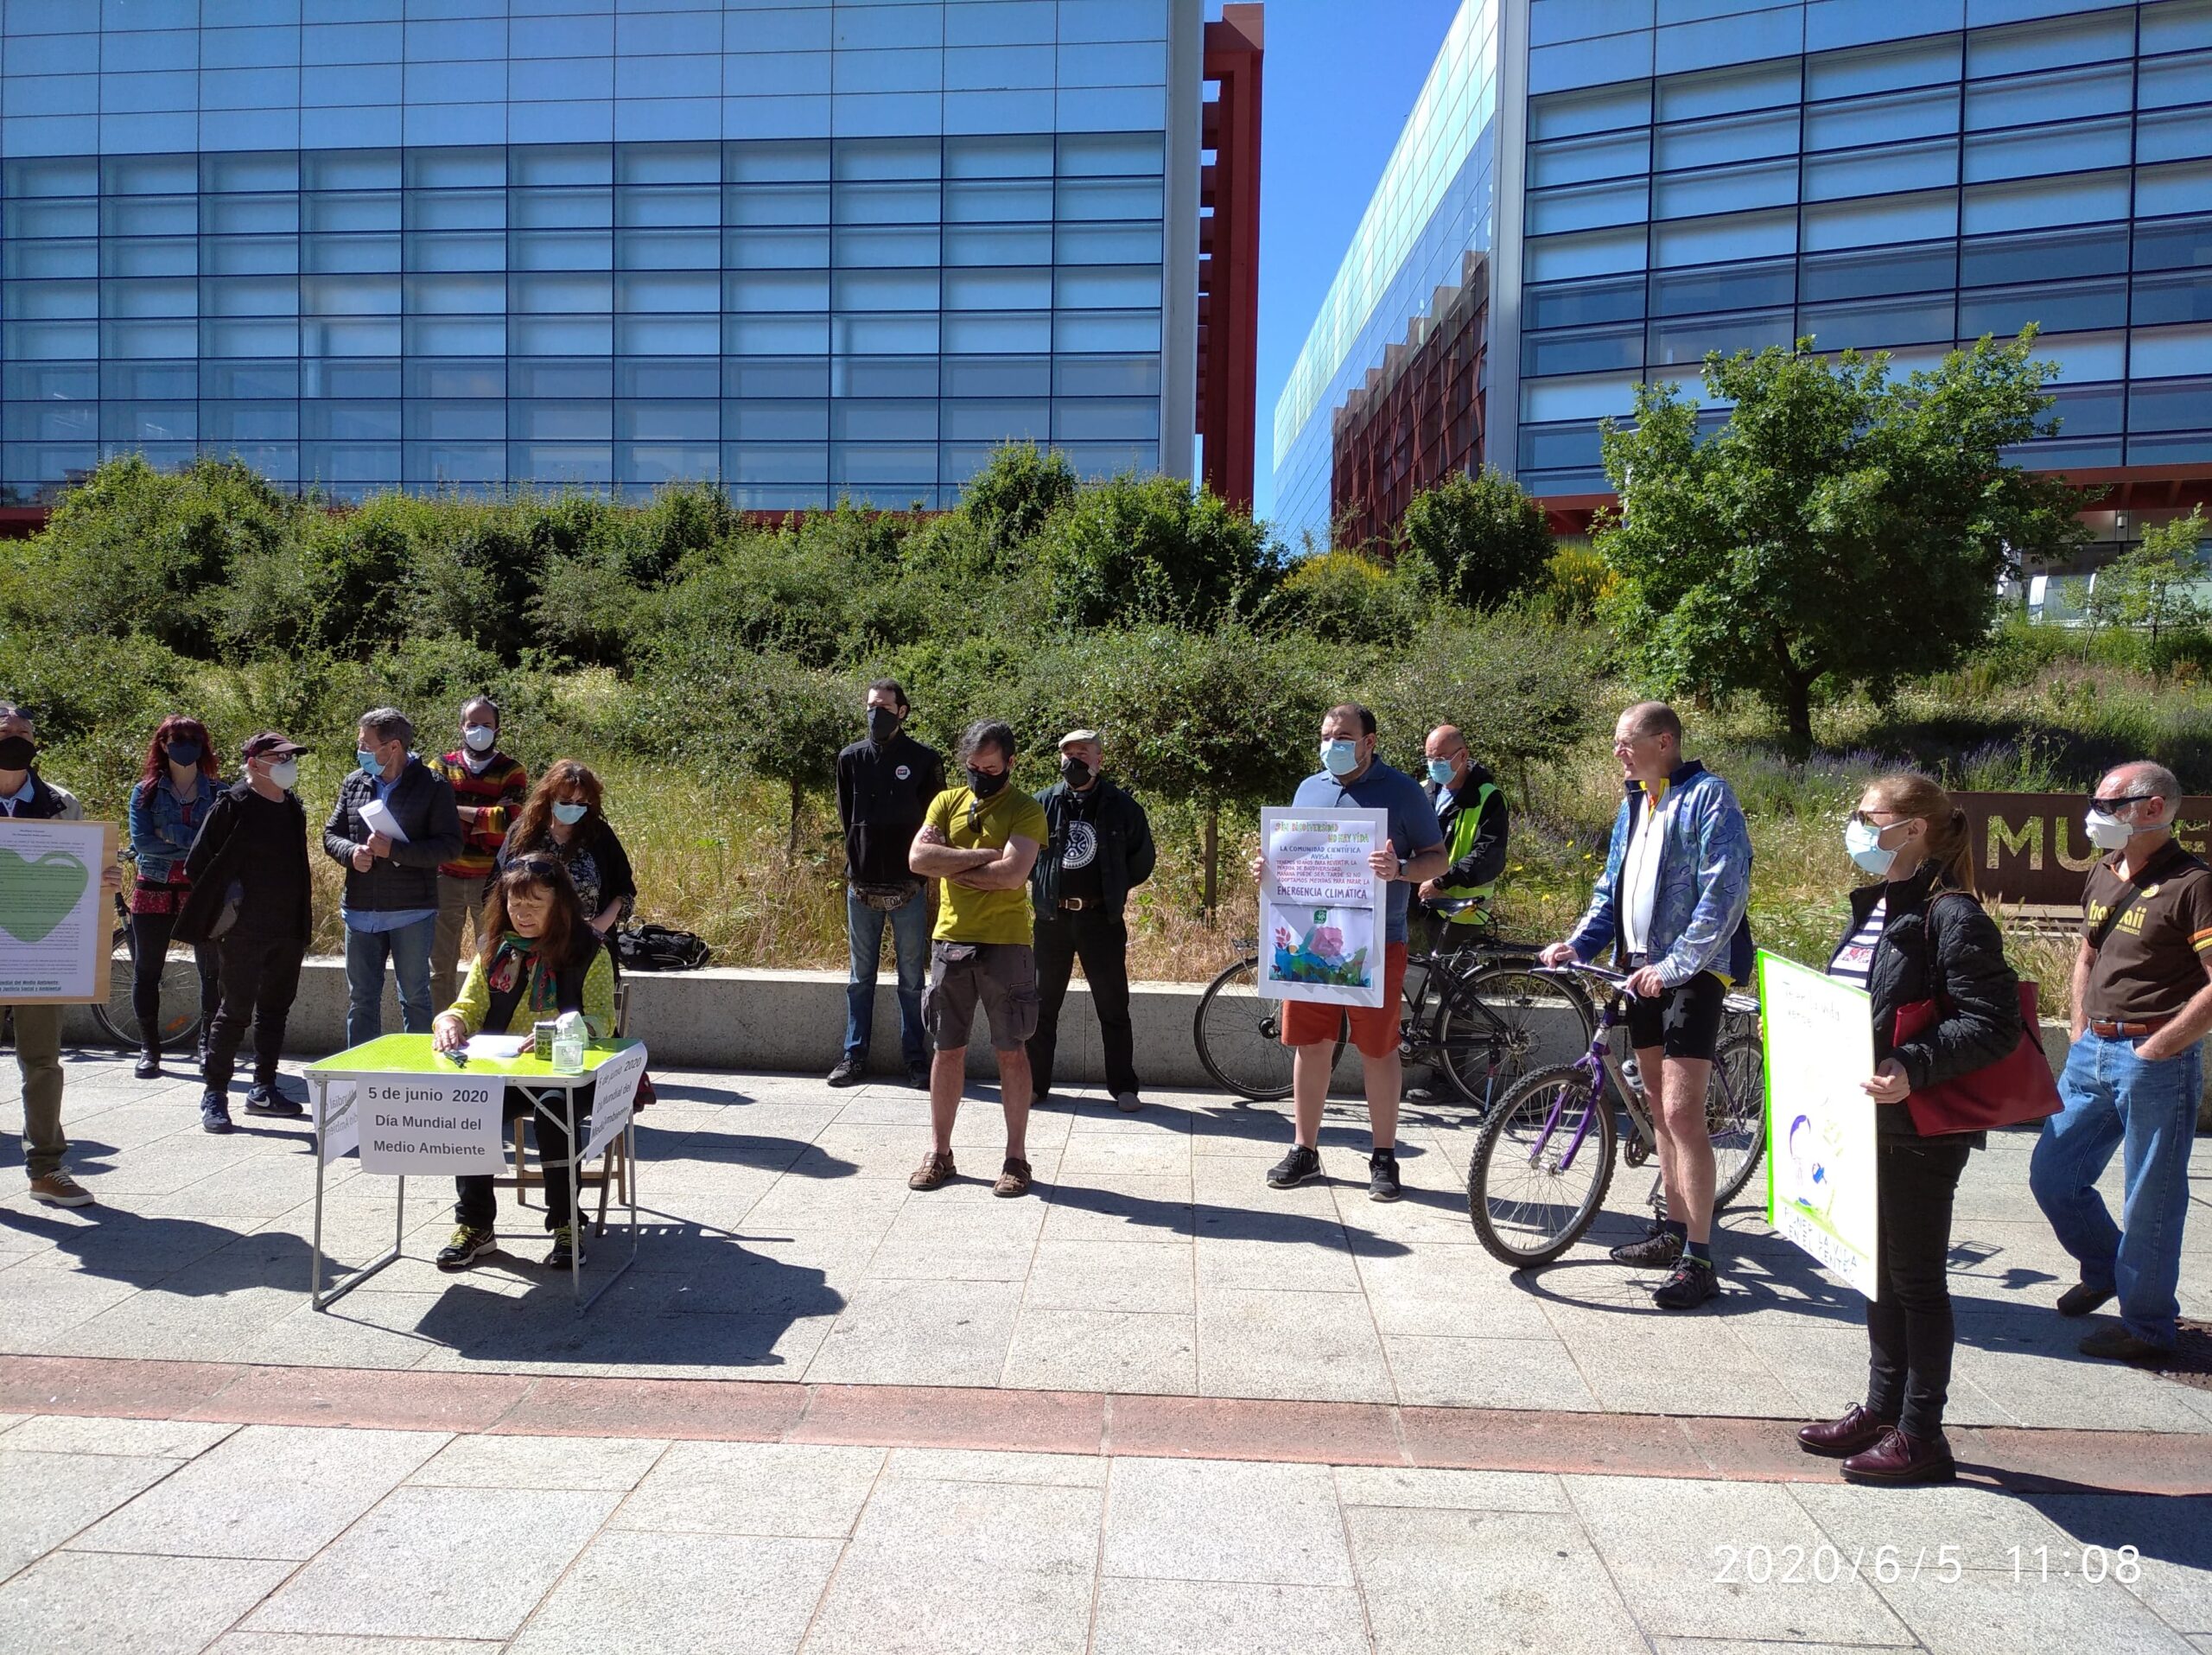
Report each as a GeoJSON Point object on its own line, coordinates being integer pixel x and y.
{"type": "Point", "coordinates": [1339, 78]}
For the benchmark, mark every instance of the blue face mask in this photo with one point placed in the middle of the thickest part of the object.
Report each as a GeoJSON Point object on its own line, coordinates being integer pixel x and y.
{"type": "Point", "coordinates": [568, 815]}
{"type": "Point", "coordinates": [184, 752]}
{"type": "Point", "coordinates": [1862, 842]}
{"type": "Point", "coordinates": [1340, 758]}
{"type": "Point", "coordinates": [368, 761]}
{"type": "Point", "coordinates": [1440, 772]}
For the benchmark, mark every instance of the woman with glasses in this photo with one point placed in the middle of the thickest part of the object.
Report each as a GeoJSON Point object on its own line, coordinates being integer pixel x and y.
{"type": "Point", "coordinates": [538, 959]}
{"type": "Point", "coordinates": [562, 820]}
{"type": "Point", "coordinates": [1916, 932]}
{"type": "Point", "coordinates": [176, 788]}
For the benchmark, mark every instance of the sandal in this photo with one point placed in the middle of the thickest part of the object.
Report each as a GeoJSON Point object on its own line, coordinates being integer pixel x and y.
{"type": "Point", "coordinates": [936, 1169]}
{"type": "Point", "coordinates": [1014, 1179]}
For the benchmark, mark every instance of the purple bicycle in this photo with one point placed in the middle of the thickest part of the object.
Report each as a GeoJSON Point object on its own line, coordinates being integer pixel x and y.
{"type": "Point", "coordinates": [1541, 1167]}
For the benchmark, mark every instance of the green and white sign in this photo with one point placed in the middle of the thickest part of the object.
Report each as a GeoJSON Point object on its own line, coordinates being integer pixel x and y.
{"type": "Point", "coordinates": [1819, 1122]}
{"type": "Point", "coordinates": [55, 926]}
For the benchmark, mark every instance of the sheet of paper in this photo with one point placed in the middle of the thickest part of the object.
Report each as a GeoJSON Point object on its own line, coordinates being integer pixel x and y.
{"type": "Point", "coordinates": [378, 816]}
{"type": "Point", "coordinates": [338, 1118]}
{"type": "Point", "coordinates": [615, 1090]}
{"type": "Point", "coordinates": [497, 1045]}
{"type": "Point", "coordinates": [1819, 1125]}
{"type": "Point", "coordinates": [1321, 917]}
{"type": "Point", "coordinates": [431, 1125]}
{"type": "Point", "coordinates": [55, 921]}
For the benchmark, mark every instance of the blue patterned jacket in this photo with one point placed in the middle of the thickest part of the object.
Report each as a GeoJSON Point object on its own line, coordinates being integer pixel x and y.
{"type": "Point", "coordinates": [1698, 913]}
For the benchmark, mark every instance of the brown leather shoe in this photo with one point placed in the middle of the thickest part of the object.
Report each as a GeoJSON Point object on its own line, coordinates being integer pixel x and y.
{"type": "Point", "coordinates": [936, 1169]}
{"type": "Point", "coordinates": [58, 1188]}
{"type": "Point", "coordinates": [1014, 1178]}
{"type": "Point", "coordinates": [1838, 1438]}
{"type": "Point", "coordinates": [1901, 1459]}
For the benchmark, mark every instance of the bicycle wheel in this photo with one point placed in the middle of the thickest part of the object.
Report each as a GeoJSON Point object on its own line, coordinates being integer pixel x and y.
{"type": "Point", "coordinates": [1532, 1187]}
{"type": "Point", "coordinates": [1735, 1113]}
{"type": "Point", "coordinates": [1238, 1034]}
{"type": "Point", "coordinates": [180, 994]}
{"type": "Point", "coordinates": [1502, 1021]}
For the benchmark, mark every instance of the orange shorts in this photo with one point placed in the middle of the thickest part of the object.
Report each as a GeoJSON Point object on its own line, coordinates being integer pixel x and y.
{"type": "Point", "coordinates": [1374, 1028]}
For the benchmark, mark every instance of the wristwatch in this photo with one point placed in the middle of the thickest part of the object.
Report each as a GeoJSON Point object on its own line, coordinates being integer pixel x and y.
{"type": "Point", "coordinates": [1404, 862]}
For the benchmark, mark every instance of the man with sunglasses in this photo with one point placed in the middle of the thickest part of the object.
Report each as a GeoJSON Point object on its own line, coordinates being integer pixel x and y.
{"type": "Point", "coordinates": [2135, 1074]}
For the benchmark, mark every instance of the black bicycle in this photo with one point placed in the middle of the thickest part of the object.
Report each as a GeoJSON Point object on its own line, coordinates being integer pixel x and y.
{"type": "Point", "coordinates": [119, 1020]}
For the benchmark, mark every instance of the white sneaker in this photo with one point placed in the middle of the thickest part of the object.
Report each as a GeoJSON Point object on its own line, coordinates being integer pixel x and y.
{"type": "Point", "coordinates": [1127, 1102]}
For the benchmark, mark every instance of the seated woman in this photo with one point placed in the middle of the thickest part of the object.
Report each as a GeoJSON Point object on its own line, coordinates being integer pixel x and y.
{"type": "Point", "coordinates": [538, 958]}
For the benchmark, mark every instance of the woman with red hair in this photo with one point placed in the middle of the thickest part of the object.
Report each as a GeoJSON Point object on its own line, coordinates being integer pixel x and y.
{"type": "Point", "coordinates": [173, 792]}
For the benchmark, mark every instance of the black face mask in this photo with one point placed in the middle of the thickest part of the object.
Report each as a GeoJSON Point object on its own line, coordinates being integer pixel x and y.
{"type": "Point", "coordinates": [184, 752]}
{"type": "Point", "coordinates": [1076, 772]}
{"type": "Point", "coordinates": [16, 752]}
{"type": "Point", "coordinates": [983, 784]}
{"type": "Point", "coordinates": [882, 724]}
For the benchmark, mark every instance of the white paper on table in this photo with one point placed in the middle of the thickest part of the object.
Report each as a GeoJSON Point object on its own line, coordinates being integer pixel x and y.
{"type": "Point", "coordinates": [498, 1046]}
{"type": "Point", "coordinates": [431, 1124]}
{"type": "Point", "coordinates": [338, 1118]}
{"type": "Point", "coordinates": [615, 1089]}
{"type": "Point", "coordinates": [378, 816]}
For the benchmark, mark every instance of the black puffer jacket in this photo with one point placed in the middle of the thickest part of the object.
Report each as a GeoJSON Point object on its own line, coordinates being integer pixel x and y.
{"type": "Point", "coordinates": [1937, 943]}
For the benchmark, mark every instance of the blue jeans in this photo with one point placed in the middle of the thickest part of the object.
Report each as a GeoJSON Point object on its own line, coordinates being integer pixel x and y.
{"type": "Point", "coordinates": [409, 950]}
{"type": "Point", "coordinates": [2114, 1100]}
{"type": "Point", "coordinates": [910, 935]}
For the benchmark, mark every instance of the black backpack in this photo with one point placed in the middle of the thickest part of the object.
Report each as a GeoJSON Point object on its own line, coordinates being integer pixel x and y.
{"type": "Point", "coordinates": [656, 948]}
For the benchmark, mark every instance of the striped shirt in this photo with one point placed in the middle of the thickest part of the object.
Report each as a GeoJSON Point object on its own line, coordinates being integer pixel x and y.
{"type": "Point", "coordinates": [1854, 961]}
{"type": "Point", "coordinates": [497, 790]}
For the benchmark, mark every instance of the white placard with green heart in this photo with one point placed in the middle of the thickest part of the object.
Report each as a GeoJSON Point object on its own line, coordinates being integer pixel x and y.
{"type": "Point", "coordinates": [55, 931]}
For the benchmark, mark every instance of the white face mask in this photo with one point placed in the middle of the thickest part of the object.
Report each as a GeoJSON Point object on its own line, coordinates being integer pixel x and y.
{"type": "Point", "coordinates": [1340, 757]}
{"type": "Point", "coordinates": [479, 737]}
{"type": "Point", "coordinates": [2107, 832]}
{"type": "Point", "coordinates": [1863, 842]}
{"type": "Point", "coordinates": [285, 772]}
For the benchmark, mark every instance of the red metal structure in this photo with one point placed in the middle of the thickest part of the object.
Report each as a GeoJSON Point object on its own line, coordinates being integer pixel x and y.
{"type": "Point", "coordinates": [1228, 256]}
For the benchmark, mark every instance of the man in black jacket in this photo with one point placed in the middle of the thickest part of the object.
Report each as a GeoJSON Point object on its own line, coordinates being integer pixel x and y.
{"type": "Point", "coordinates": [1101, 846]}
{"type": "Point", "coordinates": [250, 891]}
{"type": "Point", "coordinates": [884, 783]}
{"type": "Point", "coordinates": [394, 821]}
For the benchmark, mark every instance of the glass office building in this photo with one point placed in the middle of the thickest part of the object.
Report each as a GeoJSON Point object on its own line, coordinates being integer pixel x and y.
{"type": "Point", "coordinates": [811, 250]}
{"type": "Point", "coordinates": [1690, 175]}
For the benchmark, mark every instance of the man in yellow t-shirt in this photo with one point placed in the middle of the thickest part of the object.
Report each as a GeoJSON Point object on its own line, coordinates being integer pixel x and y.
{"type": "Point", "coordinates": [980, 840]}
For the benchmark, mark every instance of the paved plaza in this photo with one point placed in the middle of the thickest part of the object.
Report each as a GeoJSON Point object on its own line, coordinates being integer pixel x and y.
{"type": "Point", "coordinates": [1155, 1406]}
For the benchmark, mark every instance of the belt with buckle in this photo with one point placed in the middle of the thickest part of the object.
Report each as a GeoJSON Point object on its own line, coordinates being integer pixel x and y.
{"type": "Point", "coordinates": [2125, 1031]}
{"type": "Point", "coordinates": [1077, 904]}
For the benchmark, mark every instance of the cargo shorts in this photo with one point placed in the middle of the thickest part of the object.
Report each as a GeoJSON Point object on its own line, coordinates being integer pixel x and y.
{"type": "Point", "coordinates": [1002, 976]}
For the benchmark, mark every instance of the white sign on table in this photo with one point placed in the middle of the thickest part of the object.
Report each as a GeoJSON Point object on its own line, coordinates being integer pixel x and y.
{"type": "Point", "coordinates": [1321, 916]}
{"type": "Point", "coordinates": [338, 1118]}
{"type": "Point", "coordinates": [615, 1090]}
{"type": "Point", "coordinates": [1819, 1123]}
{"type": "Point", "coordinates": [431, 1124]}
{"type": "Point", "coordinates": [55, 925]}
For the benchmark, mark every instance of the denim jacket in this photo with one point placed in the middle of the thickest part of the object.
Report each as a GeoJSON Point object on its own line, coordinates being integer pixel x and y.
{"type": "Point", "coordinates": [1699, 920]}
{"type": "Point", "coordinates": [160, 835]}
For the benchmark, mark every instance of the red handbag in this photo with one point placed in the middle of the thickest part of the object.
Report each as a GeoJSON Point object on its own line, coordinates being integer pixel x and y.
{"type": "Point", "coordinates": [2016, 1089]}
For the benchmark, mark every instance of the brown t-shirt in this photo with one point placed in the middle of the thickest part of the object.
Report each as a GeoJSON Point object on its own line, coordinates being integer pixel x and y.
{"type": "Point", "coordinates": [2151, 963]}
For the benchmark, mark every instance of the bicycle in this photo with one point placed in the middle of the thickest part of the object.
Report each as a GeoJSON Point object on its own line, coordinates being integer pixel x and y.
{"type": "Point", "coordinates": [1523, 1196]}
{"type": "Point", "coordinates": [1492, 1021]}
{"type": "Point", "coordinates": [180, 1019]}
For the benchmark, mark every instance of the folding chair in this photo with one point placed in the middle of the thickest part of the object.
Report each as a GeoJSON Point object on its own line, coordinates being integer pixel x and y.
{"type": "Point", "coordinates": [613, 1169]}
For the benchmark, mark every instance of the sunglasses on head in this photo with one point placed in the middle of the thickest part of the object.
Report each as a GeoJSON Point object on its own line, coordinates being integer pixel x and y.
{"type": "Point", "coordinates": [536, 866]}
{"type": "Point", "coordinates": [2113, 806]}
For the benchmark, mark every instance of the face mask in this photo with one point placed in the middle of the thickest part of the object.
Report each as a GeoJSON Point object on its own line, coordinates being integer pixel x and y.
{"type": "Point", "coordinates": [1077, 773]}
{"type": "Point", "coordinates": [1340, 758]}
{"type": "Point", "coordinates": [2106, 832]}
{"type": "Point", "coordinates": [285, 772]}
{"type": "Point", "coordinates": [568, 815]}
{"type": "Point", "coordinates": [367, 760]}
{"type": "Point", "coordinates": [479, 737]}
{"type": "Point", "coordinates": [184, 752]}
{"type": "Point", "coordinates": [1863, 840]}
{"type": "Point", "coordinates": [1440, 772]}
{"type": "Point", "coordinates": [882, 724]}
{"type": "Point", "coordinates": [983, 784]}
{"type": "Point", "coordinates": [16, 752]}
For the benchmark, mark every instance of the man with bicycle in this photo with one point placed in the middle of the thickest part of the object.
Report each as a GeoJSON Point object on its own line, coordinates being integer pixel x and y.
{"type": "Point", "coordinates": [1470, 808]}
{"type": "Point", "coordinates": [1672, 904]}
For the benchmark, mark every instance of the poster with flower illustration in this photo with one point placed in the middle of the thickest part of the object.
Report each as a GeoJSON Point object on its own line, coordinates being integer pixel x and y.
{"type": "Point", "coordinates": [1322, 906]}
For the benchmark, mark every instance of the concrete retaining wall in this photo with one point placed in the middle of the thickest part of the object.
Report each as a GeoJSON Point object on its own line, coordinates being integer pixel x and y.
{"type": "Point", "coordinates": [724, 1018]}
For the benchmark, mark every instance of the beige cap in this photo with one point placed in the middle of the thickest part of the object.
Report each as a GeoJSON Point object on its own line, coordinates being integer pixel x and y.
{"type": "Point", "coordinates": [1074, 736]}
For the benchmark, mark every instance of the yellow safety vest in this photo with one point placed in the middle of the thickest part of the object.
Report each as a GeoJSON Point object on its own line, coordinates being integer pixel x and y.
{"type": "Point", "coordinates": [1465, 827]}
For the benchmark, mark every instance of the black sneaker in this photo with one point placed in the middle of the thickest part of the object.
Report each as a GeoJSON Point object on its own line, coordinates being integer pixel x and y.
{"type": "Point", "coordinates": [568, 1251]}
{"type": "Point", "coordinates": [468, 1244]}
{"type": "Point", "coordinates": [1294, 1168]}
{"type": "Point", "coordinates": [1661, 1249]}
{"type": "Point", "coordinates": [849, 1072]}
{"type": "Point", "coordinates": [918, 1078]}
{"type": "Point", "coordinates": [1692, 1283]}
{"type": "Point", "coordinates": [1382, 1176]}
{"type": "Point", "coordinates": [262, 1099]}
{"type": "Point", "coordinates": [149, 1065]}
{"type": "Point", "coordinates": [214, 1112]}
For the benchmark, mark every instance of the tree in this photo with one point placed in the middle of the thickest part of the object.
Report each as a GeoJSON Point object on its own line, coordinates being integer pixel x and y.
{"type": "Point", "coordinates": [2156, 584]}
{"type": "Point", "coordinates": [1843, 529]}
{"type": "Point", "coordinates": [1349, 597]}
{"type": "Point", "coordinates": [1133, 550]}
{"type": "Point", "coordinates": [1014, 493]}
{"type": "Point", "coordinates": [1483, 534]}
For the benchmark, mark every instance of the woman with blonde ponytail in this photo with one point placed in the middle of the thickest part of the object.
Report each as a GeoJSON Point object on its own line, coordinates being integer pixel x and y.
{"type": "Point", "coordinates": [1917, 934]}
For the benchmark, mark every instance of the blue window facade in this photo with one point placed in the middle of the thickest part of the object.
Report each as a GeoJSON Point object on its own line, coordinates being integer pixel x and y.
{"type": "Point", "coordinates": [811, 250]}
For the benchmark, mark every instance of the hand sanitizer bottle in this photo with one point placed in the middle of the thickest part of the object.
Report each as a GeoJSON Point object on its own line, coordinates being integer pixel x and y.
{"type": "Point", "coordinates": [568, 1043]}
